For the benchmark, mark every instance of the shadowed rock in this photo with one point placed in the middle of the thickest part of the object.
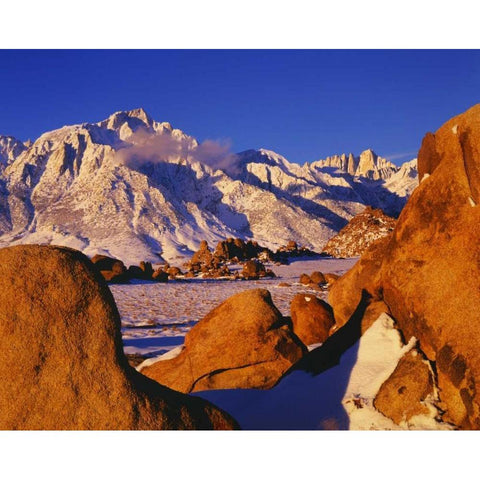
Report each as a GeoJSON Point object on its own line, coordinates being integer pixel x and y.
{"type": "Point", "coordinates": [61, 359]}
{"type": "Point", "coordinates": [243, 343]}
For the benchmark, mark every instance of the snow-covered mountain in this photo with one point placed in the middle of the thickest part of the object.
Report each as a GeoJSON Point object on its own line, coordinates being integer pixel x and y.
{"type": "Point", "coordinates": [139, 189]}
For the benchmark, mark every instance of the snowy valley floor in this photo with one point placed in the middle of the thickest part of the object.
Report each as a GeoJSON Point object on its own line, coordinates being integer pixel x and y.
{"type": "Point", "coordinates": [156, 317]}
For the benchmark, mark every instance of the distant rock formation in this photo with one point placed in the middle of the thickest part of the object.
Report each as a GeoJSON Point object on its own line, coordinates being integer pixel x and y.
{"type": "Point", "coordinates": [360, 232]}
{"type": "Point", "coordinates": [368, 165]}
{"type": "Point", "coordinates": [426, 272]}
{"type": "Point", "coordinates": [243, 343]}
{"type": "Point", "coordinates": [62, 365]}
{"type": "Point", "coordinates": [114, 270]}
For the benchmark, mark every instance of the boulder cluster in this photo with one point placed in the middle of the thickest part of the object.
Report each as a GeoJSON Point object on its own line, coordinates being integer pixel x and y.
{"type": "Point", "coordinates": [232, 251]}
{"type": "Point", "coordinates": [245, 342]}
{"type": "Point", "coordinates": [67, 369]}
{"type": "Point", "coordinates": [115, 271]}
{"type": "Point", "coordinates": [292, 250]}
{"type": "Point", "coordinates": [318, 280]}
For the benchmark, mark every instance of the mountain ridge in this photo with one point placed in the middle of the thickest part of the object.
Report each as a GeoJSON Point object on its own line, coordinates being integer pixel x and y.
{"type": "Point", "coordinates": [139, 189]}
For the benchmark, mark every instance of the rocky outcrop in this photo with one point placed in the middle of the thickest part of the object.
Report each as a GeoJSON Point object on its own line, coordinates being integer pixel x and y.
{"type": "Point", "coordinates": [359, 234]}
{"type": "Point", "coordinates": [312, 318]}
{"type": "Point", "coordinates": [408, 389]}
{"type": "Point", "coordinates": [368, 165]}
{"type": "Point", "coordinates": [237, 250]}
{"type": "Point", "coordinates": [61, 357]}
{"type": "Point", "coordinates": [202, 255]}
{"type": "Point", "coordinates": [243, 343]}
{"type": "Point", "coordinates": [426, 272]}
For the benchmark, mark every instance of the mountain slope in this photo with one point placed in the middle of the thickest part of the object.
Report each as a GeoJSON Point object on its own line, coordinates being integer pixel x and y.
{"type": "Point", "coordinates": [138, 189]}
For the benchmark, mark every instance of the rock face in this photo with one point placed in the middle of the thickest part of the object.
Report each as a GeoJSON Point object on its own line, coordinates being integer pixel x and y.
{"type": "Point", "coordinates": [368, 165]}
{"type": "Point", "coordinates": [312, 318]}
{"type": "Point", "coordinates": [360, 233]}
{"type": "Point", "coordinates": [61, 358]}
{"type": "Point", "coordinates": [403, 395]}
{"type": "Point", "coordinates": [243, 343]}
{"type": "Point", "coordinates": [427, 271]}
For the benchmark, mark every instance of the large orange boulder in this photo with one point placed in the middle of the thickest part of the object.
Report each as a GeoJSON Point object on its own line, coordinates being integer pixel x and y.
{"type": "Point", "coordinates": [312, 318]}
{"type": "Point", "coordinates": [243, 343]}
{"type": "Point", "coordinates": [427, 271]}
{"type": "Point", "coordinates": [61, 358]}
{"type": "Point", "coordinates": [431, 270]}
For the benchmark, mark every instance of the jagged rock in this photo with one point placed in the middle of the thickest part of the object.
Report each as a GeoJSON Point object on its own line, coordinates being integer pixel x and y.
{"type": "Point", "coordinates": [243, 343]}
{"type": "Point", "coordinates": [360, 233]}
{"type": "Point", "coordinates": [203, 255]}
{"type": "Point", "coordinates": [312, 318]}
{"type": "Point", "coordinates": [61, 355]}
{"type": "Point", "coordinates": [237, 250]}
{"type": "Point", "coordinates": [404, 394]}
{"type": "Point", "coordinates": [368, 165]}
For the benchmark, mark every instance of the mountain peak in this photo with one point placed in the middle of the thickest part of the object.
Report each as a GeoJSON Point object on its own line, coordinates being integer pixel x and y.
{"type": "Point", "coordinates": [139, 113]}
{"type": "Point", "coordinates": [136, 113]}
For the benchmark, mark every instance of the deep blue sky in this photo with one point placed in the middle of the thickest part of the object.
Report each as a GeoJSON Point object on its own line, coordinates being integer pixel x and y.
{"type": "Point", "coordinates": [304, 105]}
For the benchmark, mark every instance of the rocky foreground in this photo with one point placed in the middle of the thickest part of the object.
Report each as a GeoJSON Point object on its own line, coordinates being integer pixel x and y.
{"type": "Point", "coordinates": [61, 356]}
{"type": "Point", "coordinates": [406, 316]}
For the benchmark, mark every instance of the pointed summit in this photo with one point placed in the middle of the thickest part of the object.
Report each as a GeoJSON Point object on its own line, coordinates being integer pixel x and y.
{"type": "Point", "coordinates": [141, 114]}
